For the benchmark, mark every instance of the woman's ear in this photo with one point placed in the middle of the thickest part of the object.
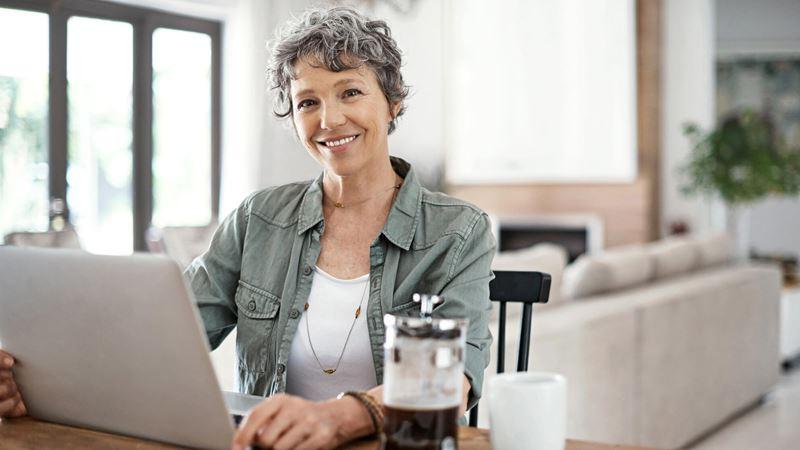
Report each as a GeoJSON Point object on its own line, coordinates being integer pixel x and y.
{"type": "Point", "coordinates": [395, 109]}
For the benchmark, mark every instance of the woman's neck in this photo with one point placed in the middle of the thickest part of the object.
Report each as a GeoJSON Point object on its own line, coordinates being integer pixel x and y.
{"type": "Point", "coordinates": [364, 189]}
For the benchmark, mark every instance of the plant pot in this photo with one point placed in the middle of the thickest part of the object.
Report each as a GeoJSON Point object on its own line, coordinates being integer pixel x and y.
{"type": "Point", "coordinates": [737, 224]}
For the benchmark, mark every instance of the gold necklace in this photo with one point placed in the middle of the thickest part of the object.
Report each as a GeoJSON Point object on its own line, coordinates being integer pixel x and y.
{"type": "Point", "coordinates": [350, 205]}
{"type": "Point", "coordinates": [341, 354]}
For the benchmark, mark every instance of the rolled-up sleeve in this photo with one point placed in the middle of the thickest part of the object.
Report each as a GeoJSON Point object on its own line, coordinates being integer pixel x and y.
{"type": "Point", "coordinates": [214, 275]}
{"type": "Point", "coordinates": [466, 294]}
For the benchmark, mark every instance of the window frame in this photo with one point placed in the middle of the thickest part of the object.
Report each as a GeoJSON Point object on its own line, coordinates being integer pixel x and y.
{"type": "Point", "coordinates": [144, 21]}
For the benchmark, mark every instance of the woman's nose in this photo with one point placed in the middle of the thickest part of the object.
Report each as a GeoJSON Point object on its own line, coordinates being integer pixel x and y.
{"type": "Point", "coordinates": [332, 117]}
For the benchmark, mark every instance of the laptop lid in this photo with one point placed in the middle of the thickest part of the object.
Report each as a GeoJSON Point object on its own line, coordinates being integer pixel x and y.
{"type": "Point", "coordinates": [112, 343]}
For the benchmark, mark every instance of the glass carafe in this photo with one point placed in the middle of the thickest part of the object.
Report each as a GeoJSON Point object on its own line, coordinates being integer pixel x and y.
{"type": "Point", "coordinates": [423, 380]}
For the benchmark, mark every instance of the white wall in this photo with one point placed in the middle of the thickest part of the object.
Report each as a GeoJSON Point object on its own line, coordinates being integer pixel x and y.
{"type": "Point", "coordinates": [774, 225]}
{"type": "Point", "coordinates": [687, 95]}
{"type": "Point", "coordinates": [419, 137]}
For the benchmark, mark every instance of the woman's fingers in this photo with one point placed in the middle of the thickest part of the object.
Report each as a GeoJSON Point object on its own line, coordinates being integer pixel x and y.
{"type": "Point", "coordinates": [255, 420]}
{"type": "Point", "coordinates": [6, 360]}
{"type": "Point", "coordinates": [20, 410]}
{"type": "Point", "coordinates": [290, 439]}
{"type": "Point", "coordinates": [270, 434]}
{"type": "Point", "coordinates": [8, 389]}
{"type": "Point", "coordinates": [11, 404]}
{"type": "Point", "coordinates": [8, 406]}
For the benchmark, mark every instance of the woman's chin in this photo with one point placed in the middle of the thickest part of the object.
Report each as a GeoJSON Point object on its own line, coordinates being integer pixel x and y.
{"type": "Point", "coordinates": [342, 168]}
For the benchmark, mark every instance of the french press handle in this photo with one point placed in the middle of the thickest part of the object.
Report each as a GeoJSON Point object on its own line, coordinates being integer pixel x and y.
{"type": "Point", "coordinates": [426, 303]}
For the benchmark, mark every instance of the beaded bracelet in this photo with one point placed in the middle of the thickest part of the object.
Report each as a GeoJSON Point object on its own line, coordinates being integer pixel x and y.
{"type": "Point", "coordinates": [374, 409]}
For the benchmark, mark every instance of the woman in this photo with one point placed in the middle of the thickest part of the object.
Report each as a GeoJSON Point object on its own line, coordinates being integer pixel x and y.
{"type": "Point", "coordinates": [306, 271]}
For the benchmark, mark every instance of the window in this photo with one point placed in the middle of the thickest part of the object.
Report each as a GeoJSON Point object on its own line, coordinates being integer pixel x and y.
{"type": "Point", "coordinates": [127, 132]}
{"type": "Point", "coordinates": [181, 69]}
{"type": "Point", "coordinates": [548, 96]}
{"type": "Point", "coordinates": [23, 120]}
{"type": "Point", "coordinates": [100, 139]}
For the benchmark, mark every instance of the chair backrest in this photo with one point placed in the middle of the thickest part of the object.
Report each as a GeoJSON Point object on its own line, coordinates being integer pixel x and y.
{"type": "Point", "coordinates": [66, 238]}
{"type": "Point", "coordinates": [182, 244]}
{"type": "Point", "coordinates": [515, 287]}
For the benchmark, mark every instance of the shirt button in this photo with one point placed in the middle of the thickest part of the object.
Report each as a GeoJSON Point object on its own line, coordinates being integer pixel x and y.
{"type": "Point", "coordinates": [307, 270]}
{"type": "Point", "coordinates": [281, 369]}
{"type": "Point", "coordinates": [251, 306]}
{"type": "Point", "coordinates": [294, 314]}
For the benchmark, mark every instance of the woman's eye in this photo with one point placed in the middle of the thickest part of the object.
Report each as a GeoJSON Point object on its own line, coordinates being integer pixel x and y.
{"type": "Point", "coordinates": [352, 92]}
{"type": "Point", "coordinates": [305, 103]}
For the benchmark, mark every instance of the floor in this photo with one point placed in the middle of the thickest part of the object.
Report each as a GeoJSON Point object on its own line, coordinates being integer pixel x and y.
{"type": "Point", "coordinates": [773, 425]}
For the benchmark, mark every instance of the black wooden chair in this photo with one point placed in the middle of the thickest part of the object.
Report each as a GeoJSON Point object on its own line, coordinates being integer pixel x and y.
{"type": "Point", "coordinates": [517, 287]}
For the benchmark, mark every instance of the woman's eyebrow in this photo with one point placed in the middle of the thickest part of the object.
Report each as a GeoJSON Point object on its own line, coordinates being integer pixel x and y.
{"type": "Point", "coordinates": [303, 93]}
{"type": "Point", "coordinates": [347, 81]}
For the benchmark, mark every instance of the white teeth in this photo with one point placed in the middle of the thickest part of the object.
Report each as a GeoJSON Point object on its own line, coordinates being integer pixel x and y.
{"type": "Point", "coordinates": [340, 141]}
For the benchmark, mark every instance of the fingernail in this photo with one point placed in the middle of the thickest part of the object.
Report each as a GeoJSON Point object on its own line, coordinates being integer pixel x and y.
{"type": "Point", "coordinates": [8, 361]}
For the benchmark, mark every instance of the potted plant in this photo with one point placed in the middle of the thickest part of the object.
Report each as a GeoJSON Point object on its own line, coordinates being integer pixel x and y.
{"type": "Point", "coordinates": [742, 160]}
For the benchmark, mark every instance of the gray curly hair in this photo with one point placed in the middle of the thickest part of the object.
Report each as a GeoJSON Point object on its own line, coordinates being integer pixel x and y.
{"type": "Point", "coordinates": [338, 39]}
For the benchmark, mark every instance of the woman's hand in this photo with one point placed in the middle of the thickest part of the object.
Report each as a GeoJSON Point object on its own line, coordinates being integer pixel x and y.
{"type": "Point", "coordinates": [11, 404]}
{"type": "Point", "coordinates": [290, 422]}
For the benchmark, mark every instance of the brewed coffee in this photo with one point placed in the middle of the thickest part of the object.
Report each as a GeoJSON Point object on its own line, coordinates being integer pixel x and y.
{"type": "Point", "coordinates": [420, 429]}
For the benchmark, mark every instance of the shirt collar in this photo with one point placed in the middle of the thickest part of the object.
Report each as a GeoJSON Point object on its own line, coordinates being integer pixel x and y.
{"type": "Point", "coordinates": [403, 217]}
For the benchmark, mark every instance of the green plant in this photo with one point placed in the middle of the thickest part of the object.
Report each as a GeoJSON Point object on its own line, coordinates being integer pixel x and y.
{"type": "Point", "coordinates": [742, 160]}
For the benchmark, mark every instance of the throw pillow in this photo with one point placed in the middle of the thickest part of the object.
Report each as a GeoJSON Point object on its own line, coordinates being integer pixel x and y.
{"type": "Point", "coordinates": [547, 258]}
{"type": "Point", "coordinates": [715, 250]}
{"type": "Point", "coordinates": [609, 271]}
{"type": "Point", "coordinates": [673, 256]}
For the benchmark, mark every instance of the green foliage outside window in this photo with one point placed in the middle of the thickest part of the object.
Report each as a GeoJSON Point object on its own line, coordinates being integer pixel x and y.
{"type": "Point", "coordinates": [23, 154]}
{"type": "Point", "coordinates": [741, 160]}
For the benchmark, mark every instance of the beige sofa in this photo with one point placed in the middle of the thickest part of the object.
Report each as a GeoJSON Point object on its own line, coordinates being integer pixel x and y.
{"type": "Point", "coordinates": [660, 343]}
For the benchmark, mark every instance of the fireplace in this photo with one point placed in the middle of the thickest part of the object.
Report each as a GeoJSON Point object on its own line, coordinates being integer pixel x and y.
{"type": "Point", "coordinates": [578, 234]}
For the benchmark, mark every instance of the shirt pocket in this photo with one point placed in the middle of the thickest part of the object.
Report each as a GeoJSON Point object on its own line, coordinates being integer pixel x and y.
{"type": "Point", "coordinates": [255, 335]}
{"type": "Point", "coordinates": [410, 308]}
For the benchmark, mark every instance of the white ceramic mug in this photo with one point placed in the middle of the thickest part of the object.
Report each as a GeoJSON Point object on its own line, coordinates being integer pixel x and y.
{"type": "Point", "coordinates": [528, 411]}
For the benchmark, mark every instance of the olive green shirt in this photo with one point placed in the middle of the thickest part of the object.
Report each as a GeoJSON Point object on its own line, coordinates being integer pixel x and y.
{"type": "Point", "coordinates": [257, 274]}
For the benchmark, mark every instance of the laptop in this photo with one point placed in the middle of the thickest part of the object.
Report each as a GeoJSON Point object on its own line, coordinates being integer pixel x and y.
{"type": "Point", "coordinates": [113, 343]}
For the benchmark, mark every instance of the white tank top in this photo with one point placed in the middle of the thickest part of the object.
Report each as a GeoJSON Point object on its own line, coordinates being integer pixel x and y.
{"type": "Point", "coordinates": [332, 306]}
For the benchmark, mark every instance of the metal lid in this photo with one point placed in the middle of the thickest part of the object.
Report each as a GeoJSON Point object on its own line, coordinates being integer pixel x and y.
{"type": "Point", "coordinates": [426, 327]}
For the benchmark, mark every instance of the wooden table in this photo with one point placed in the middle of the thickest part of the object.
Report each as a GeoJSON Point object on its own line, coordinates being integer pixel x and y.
{"type": "Point", "coordinates": [27, 433]}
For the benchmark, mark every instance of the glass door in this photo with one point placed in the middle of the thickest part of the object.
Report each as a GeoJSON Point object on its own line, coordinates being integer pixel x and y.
{"type": "Point", "coordinates": [109, 121]}
{"type": "Point", "coordinates": [100, 136]}
{"type": "Point", "coordinates": [23, 121]}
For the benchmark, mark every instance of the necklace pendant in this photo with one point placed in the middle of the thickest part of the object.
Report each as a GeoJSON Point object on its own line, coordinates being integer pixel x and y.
{"type": "Point", "coordinates": [338, 205]}
{"type": "Point", "coordinates": [329, 371]}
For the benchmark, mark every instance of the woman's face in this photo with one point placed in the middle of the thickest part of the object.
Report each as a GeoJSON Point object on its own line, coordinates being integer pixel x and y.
{"type": "Point", "coordinates": [342, 118]}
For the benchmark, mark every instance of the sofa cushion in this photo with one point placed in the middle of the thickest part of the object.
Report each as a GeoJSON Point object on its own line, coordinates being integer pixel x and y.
{"type": "Point", "coordinates": [609, 271]}
{"type": "Point", "coordinates": [547, 258]}
{"type": "Point", "coordinates": [673, 256]}
{"type": "Point", "coordinates": [715, 249]}
{"type": "Point", "coordinates": [585, 277]}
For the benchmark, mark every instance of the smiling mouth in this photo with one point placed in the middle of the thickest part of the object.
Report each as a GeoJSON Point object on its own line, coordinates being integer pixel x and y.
{"type": "Point", "coordinates": [338, 142]}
